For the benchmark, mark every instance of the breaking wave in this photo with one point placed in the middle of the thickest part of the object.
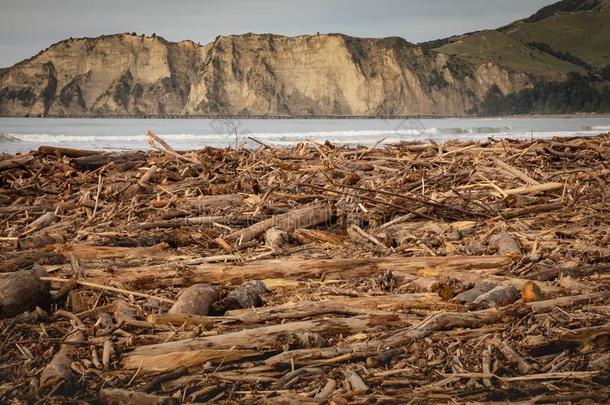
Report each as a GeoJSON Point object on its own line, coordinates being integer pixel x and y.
{"type": "Point", "coordinates": [360, 134]}
{"type": "Point", "coordinates": [23, 135]}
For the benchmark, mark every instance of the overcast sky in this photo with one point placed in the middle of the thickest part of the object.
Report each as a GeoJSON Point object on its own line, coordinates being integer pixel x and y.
{"type": "Point", "coordinates": [27, 26]}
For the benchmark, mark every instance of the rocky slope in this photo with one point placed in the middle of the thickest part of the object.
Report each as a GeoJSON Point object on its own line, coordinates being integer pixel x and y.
{"type": "Point", "coordinates": [253, 74]}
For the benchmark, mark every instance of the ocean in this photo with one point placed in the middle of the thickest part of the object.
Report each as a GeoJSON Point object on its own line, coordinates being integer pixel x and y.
{"type": "Point", "coordinates": [24, 134]}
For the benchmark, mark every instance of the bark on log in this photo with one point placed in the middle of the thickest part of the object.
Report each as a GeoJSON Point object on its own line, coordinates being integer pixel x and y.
{"type": "Point", "coordinates": [196, 300]}
{"type": "Point", "coordinates": [469, 296]}
{"type": "Point", "coordinates": [499, 296]}
{"type": "Point", "coordinates": [530, 292]}
{"type": "Point", "coordinates": [94, 162]}
{"type": "Point", "coordinates": [299, 218]}
{"type": "Point", "coordinates": [382, 358]}
{"type": "Point", "coordinates": [276, 238]}
{"type": "Point", "coordinates": [21, 291]}
{"type": "Point", "coordinates": [24, 259]}
{"type": "Point", "coordinates": [505, 244]}
{"type": "Point", "coordinates": [246, 295]}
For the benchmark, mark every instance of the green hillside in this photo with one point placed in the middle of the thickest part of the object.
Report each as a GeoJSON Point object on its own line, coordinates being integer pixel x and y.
{"type": "Point", "coordinates": [504, 50]}
{"type": "Point", "coordinates": [568, 36]}
{"type": "Point", "coordinates": [585, 35]}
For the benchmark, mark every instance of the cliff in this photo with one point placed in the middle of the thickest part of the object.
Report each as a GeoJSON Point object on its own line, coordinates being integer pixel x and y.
{"type": "Point", "coordinates": [333, 74]}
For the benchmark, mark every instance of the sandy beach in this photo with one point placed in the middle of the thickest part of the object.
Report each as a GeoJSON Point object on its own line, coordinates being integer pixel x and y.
{"type": "Point", "coordinates": [425, 272]}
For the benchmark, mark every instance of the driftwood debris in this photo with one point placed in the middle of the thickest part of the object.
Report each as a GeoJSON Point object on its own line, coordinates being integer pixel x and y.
{"type": "Point", "coordinates": [458, 272]}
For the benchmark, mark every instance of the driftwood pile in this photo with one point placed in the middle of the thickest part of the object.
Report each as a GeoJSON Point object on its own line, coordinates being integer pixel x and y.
{"type": "Point", "coordinates": [456, 272]}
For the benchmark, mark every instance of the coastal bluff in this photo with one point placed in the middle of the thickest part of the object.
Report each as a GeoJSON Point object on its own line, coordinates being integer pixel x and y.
{"type": "Point", "coordinates": [517, 69]}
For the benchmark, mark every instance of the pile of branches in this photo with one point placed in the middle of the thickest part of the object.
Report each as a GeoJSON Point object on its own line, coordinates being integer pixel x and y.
{"type": "Point", "coordinates": [455, 272]}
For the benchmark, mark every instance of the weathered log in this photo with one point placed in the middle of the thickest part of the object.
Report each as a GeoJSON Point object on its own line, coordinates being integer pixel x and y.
{"type": "Point", "coordinates": [548, 274]}
{"type": "Point", "coordinates": [299, 218]}
{"type": "Point", "coordinates": [94, 162]}
{"type": "Point", "coordinates": [236, 345]}
{"type": "Point", "coordinates": [12, 163]}
{"type": "Point", "coordinates": [116, 396]}
{"type": "Point", "coordinates": [246, 295]}
{"type": "Point", "coordinates": [382, 358]}
{"type": "Point", "coordinates": [89, 252]}
{"type": "Point", "coordinates": [566, 302]}
{"type": "Point", "coordinates": [14, 261]}
{"type": "Point", "coordinates": [595, 336]}
{"type": "Point", "coordinates": [305, 236]}
{"type": "Point", "coordinates": [328, 389]}
{"type": "Point", "coordinates": [58, 370]}
{"type": "Point", "coordinates": [511, 355]}
{"type": "Point", "coordinates": [193, 221]}
{"type": "Point", "coordinates": [356, 383]}
{"type": "Point", "coordinates": [41, 240]}
{"type": "Point", "coordinates": [297, 269]}
{"type": "Point", "coordinates": [447, 321]}
{"type": "Point", "coordinates": [535, 189]}
{"type": "Point", "coordinates": [374, 306]}
{"type": "Point", "coordinates": [68, 152]}
{"type": "Point", "coordinates": [21, 291]}
{"type": "Point", "coordinates": [196, 299]}
{"type": "Point", "coordinates": [160, 379]}
{"type": "Point", "coordinates": [499, 296]}
{"type": "Point", "coordinates": [515, 172]}
{"type": "Point", "coordinates": [304, 309]}
{"type": "Point", "coordinates": [534, 209]}
{"type": "Point", "coordinates": [41, 222]}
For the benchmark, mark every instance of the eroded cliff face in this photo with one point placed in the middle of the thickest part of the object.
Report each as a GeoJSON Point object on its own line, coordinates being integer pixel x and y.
{"type": "Point", "coordinates": [248, 75]}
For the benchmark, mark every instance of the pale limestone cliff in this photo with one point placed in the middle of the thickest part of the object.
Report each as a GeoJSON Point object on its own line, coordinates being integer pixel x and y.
{"type": "Point", "coordinates": [248, 75]}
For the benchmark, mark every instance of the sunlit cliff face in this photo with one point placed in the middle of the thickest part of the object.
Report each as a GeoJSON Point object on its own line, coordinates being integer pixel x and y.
{"type": "Point", "coordinates": [248, 75]}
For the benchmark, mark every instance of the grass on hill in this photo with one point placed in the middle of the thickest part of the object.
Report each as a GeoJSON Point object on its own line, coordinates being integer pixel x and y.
{"type": "Point", "coordinates": [583, 34]}
{"type": "Point", "coordinates": [502, 49]}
